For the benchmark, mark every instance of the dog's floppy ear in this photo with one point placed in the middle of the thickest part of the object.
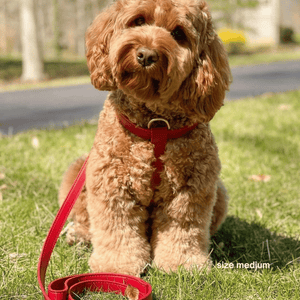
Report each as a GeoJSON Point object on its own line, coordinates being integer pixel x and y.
{"type": "Point", "coordinates": [213, 75]}
{"type": "Point", "coordinates": [213, 78]}
{"type": "Point", "coordinates": [98, 38]}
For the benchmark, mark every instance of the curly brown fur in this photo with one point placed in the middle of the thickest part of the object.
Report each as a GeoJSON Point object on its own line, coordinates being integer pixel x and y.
{"type": "Point", "coordinates": [183, 81]}
{"type": "Point", "coordinates": [79, 232]}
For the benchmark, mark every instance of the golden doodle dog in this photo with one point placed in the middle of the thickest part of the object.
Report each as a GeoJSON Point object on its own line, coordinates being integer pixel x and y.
{"type": "Point", "coordinates": [154, 198]}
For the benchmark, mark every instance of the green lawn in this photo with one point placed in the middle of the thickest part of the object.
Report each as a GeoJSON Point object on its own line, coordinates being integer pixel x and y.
{"type": "Point", "coordinates": [11, 68]}
{"type": "Point", "coordinates": [256, 136]}
{"type": "Point", "coordinates": [57, 72]}
{"type": "Point", "coordinates": [256, 58]}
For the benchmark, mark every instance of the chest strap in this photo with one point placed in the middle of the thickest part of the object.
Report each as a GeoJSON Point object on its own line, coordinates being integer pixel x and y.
{"type": "Point", "coordinates": [158, 137]}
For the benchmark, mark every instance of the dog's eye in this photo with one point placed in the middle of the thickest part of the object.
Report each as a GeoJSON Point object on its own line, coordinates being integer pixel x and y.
{"type": "Point", "coordinates": [139, 21]}
{"type": "Point", "coordinates": [178, 34]}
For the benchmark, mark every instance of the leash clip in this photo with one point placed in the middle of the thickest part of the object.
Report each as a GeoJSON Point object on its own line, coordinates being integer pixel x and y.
{"type": "Point", "coordinates": [159, 119]}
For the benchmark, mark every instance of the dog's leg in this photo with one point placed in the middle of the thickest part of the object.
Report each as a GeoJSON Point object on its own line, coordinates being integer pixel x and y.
{"type": "Point", "coordinates": [79, 229]}
{"type": "Point", "coordinates": [181, 231]}
{"type": "Point", "coordinates": [220, 208]}
{"type": "Point", "coordinates": [119, 240]}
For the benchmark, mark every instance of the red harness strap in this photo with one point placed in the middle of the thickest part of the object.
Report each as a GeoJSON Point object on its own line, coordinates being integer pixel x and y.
{"type": "Point", "coordinates": [158, 137]}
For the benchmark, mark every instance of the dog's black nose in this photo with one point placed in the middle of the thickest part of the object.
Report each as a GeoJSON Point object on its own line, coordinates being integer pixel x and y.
{"type": "Point", "coordinates": [146, 57]}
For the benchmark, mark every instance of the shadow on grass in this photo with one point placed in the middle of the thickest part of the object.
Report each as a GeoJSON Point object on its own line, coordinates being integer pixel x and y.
{"type": "Point", "coordinates": [11, 69]}
{"type": "Point", "coordinates": [241, 242]}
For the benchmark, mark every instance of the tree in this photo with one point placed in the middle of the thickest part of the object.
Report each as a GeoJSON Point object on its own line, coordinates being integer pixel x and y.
{"type": "Point", "coordinates": [228, 11]}
{"type": "Point", "coordinates": [33, 67]}
{"type": "Point", "coordinates": [56, 29]}
{"type": "Point", "coordinates": [3, 14]}
{"type": "Point", "coordinates": [81, 26]}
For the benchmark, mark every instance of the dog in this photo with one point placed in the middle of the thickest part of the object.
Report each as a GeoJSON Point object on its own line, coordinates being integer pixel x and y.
{"type": "Point", "coordinates": [167, 70]}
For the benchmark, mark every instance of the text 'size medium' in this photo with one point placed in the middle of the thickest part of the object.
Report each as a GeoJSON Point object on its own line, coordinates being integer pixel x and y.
{"type": "Point", "coordinates": [254, 265]}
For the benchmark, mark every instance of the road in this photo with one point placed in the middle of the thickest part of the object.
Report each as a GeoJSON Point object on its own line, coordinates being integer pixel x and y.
{"type": "Point", "coordinates": [44, 108]}
{"type": "Point", "coordinates": [62, 106]}
{"type": "Point", "coordinates": [265, 78]}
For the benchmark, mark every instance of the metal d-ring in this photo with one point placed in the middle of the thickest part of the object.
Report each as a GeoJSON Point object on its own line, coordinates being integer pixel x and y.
{"type": "Point", "coordinates": [158, 119]}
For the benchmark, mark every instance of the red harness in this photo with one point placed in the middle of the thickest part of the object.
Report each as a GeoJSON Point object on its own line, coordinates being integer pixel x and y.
{"type": "Point", "coordinates": [64, 288]}
{"type": "Point", "coordinates": [158, 137]}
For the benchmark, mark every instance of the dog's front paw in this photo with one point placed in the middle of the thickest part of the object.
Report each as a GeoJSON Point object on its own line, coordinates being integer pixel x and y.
{"type": "Point", "coordinates": [73, 235]}
{"type": "Point", "coordinates": [110, 262]}
{"type": "Point", "coordinates": [199, 262]}
{"type": "Point", "coordinates": [69, 231]}
{"type": "Point", "coordinates": [169, 263]}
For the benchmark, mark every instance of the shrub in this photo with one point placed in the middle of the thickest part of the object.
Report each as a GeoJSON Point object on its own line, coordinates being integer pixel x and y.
{"type": "Point", "coordinates": [287, 35]}
{"type": "Point", "coordinates": [234, 40]}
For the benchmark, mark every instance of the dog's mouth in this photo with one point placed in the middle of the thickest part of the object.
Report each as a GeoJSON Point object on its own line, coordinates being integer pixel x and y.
{"type": "Point", "coordinates": [139, 85]}
{"type": "Point", "coordinates": [126, 76]}
{"type": "Point", "coordinates": [155, 84]}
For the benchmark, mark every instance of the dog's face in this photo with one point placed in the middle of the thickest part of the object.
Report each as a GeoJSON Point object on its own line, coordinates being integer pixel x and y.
{"type": "Point", "coordinates": [160, 51]}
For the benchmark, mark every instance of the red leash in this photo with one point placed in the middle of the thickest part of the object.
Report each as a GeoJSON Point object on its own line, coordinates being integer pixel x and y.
{"type": "Point", "coordinates": [65, 288]}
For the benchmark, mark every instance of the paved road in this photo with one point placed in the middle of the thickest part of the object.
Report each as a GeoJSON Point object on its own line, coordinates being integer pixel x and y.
{"type": "Point", "coordinates": [43, 108]}
{"type": "Point", "coordinates": [23, 110]}
{"type": "Point", "coordinates": [260, 79]}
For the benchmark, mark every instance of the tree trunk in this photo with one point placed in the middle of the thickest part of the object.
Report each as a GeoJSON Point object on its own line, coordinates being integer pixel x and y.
{"type": "Point", "coordinates": [81, 27]}
{"type": "Point", "coordinates": [56, 29]}
{"type": "Point", "coordinates": [32, 68]}
{"type": "Point", "coordinates": [3, 15]}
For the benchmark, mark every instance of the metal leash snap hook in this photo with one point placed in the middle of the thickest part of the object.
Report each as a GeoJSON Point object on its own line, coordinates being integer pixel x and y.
{"type": "Point", "coordinates": [158, 119]}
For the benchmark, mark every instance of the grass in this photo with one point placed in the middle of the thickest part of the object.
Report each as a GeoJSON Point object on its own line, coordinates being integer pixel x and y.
{"type": "Point", "coordinates": [255, 136]}
{"type": "Point", "coordinates": [11, 68]}
{"type": "Point", "coordinates": [49, 83]}
{"type": "Point", "coordinates": [57, 72]}
{"type": "Point", "coordinates": [265, 57]}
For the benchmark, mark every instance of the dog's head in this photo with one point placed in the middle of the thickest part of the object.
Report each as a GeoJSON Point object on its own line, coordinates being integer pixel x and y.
{"type": "Point", "coordinates": [160, 52]}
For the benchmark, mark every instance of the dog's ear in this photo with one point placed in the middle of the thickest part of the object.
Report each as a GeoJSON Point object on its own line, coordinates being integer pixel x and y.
{"type": "Point", "coordinates": [98, 38]}
{"type": "Point", "coordinates": [213, 78]}
{"type": "Point", "coordinates": [212, 75]}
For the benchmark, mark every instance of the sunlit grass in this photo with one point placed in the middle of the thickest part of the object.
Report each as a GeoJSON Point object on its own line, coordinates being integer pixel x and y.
{"type": "Point", "coordinates": [256, 136]}
{"type": "Point", "coordinates": [57, 73]}
{"type": "Point", "coordinates": [266, 57]}
{"type": "Point", "coordinates": [46, 84]}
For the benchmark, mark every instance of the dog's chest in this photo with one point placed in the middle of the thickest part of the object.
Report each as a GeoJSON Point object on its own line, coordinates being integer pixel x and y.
{"type": "Point", "coordinates": [178, 166]}
{"type": "Point", "coordinates": [127, 163]}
